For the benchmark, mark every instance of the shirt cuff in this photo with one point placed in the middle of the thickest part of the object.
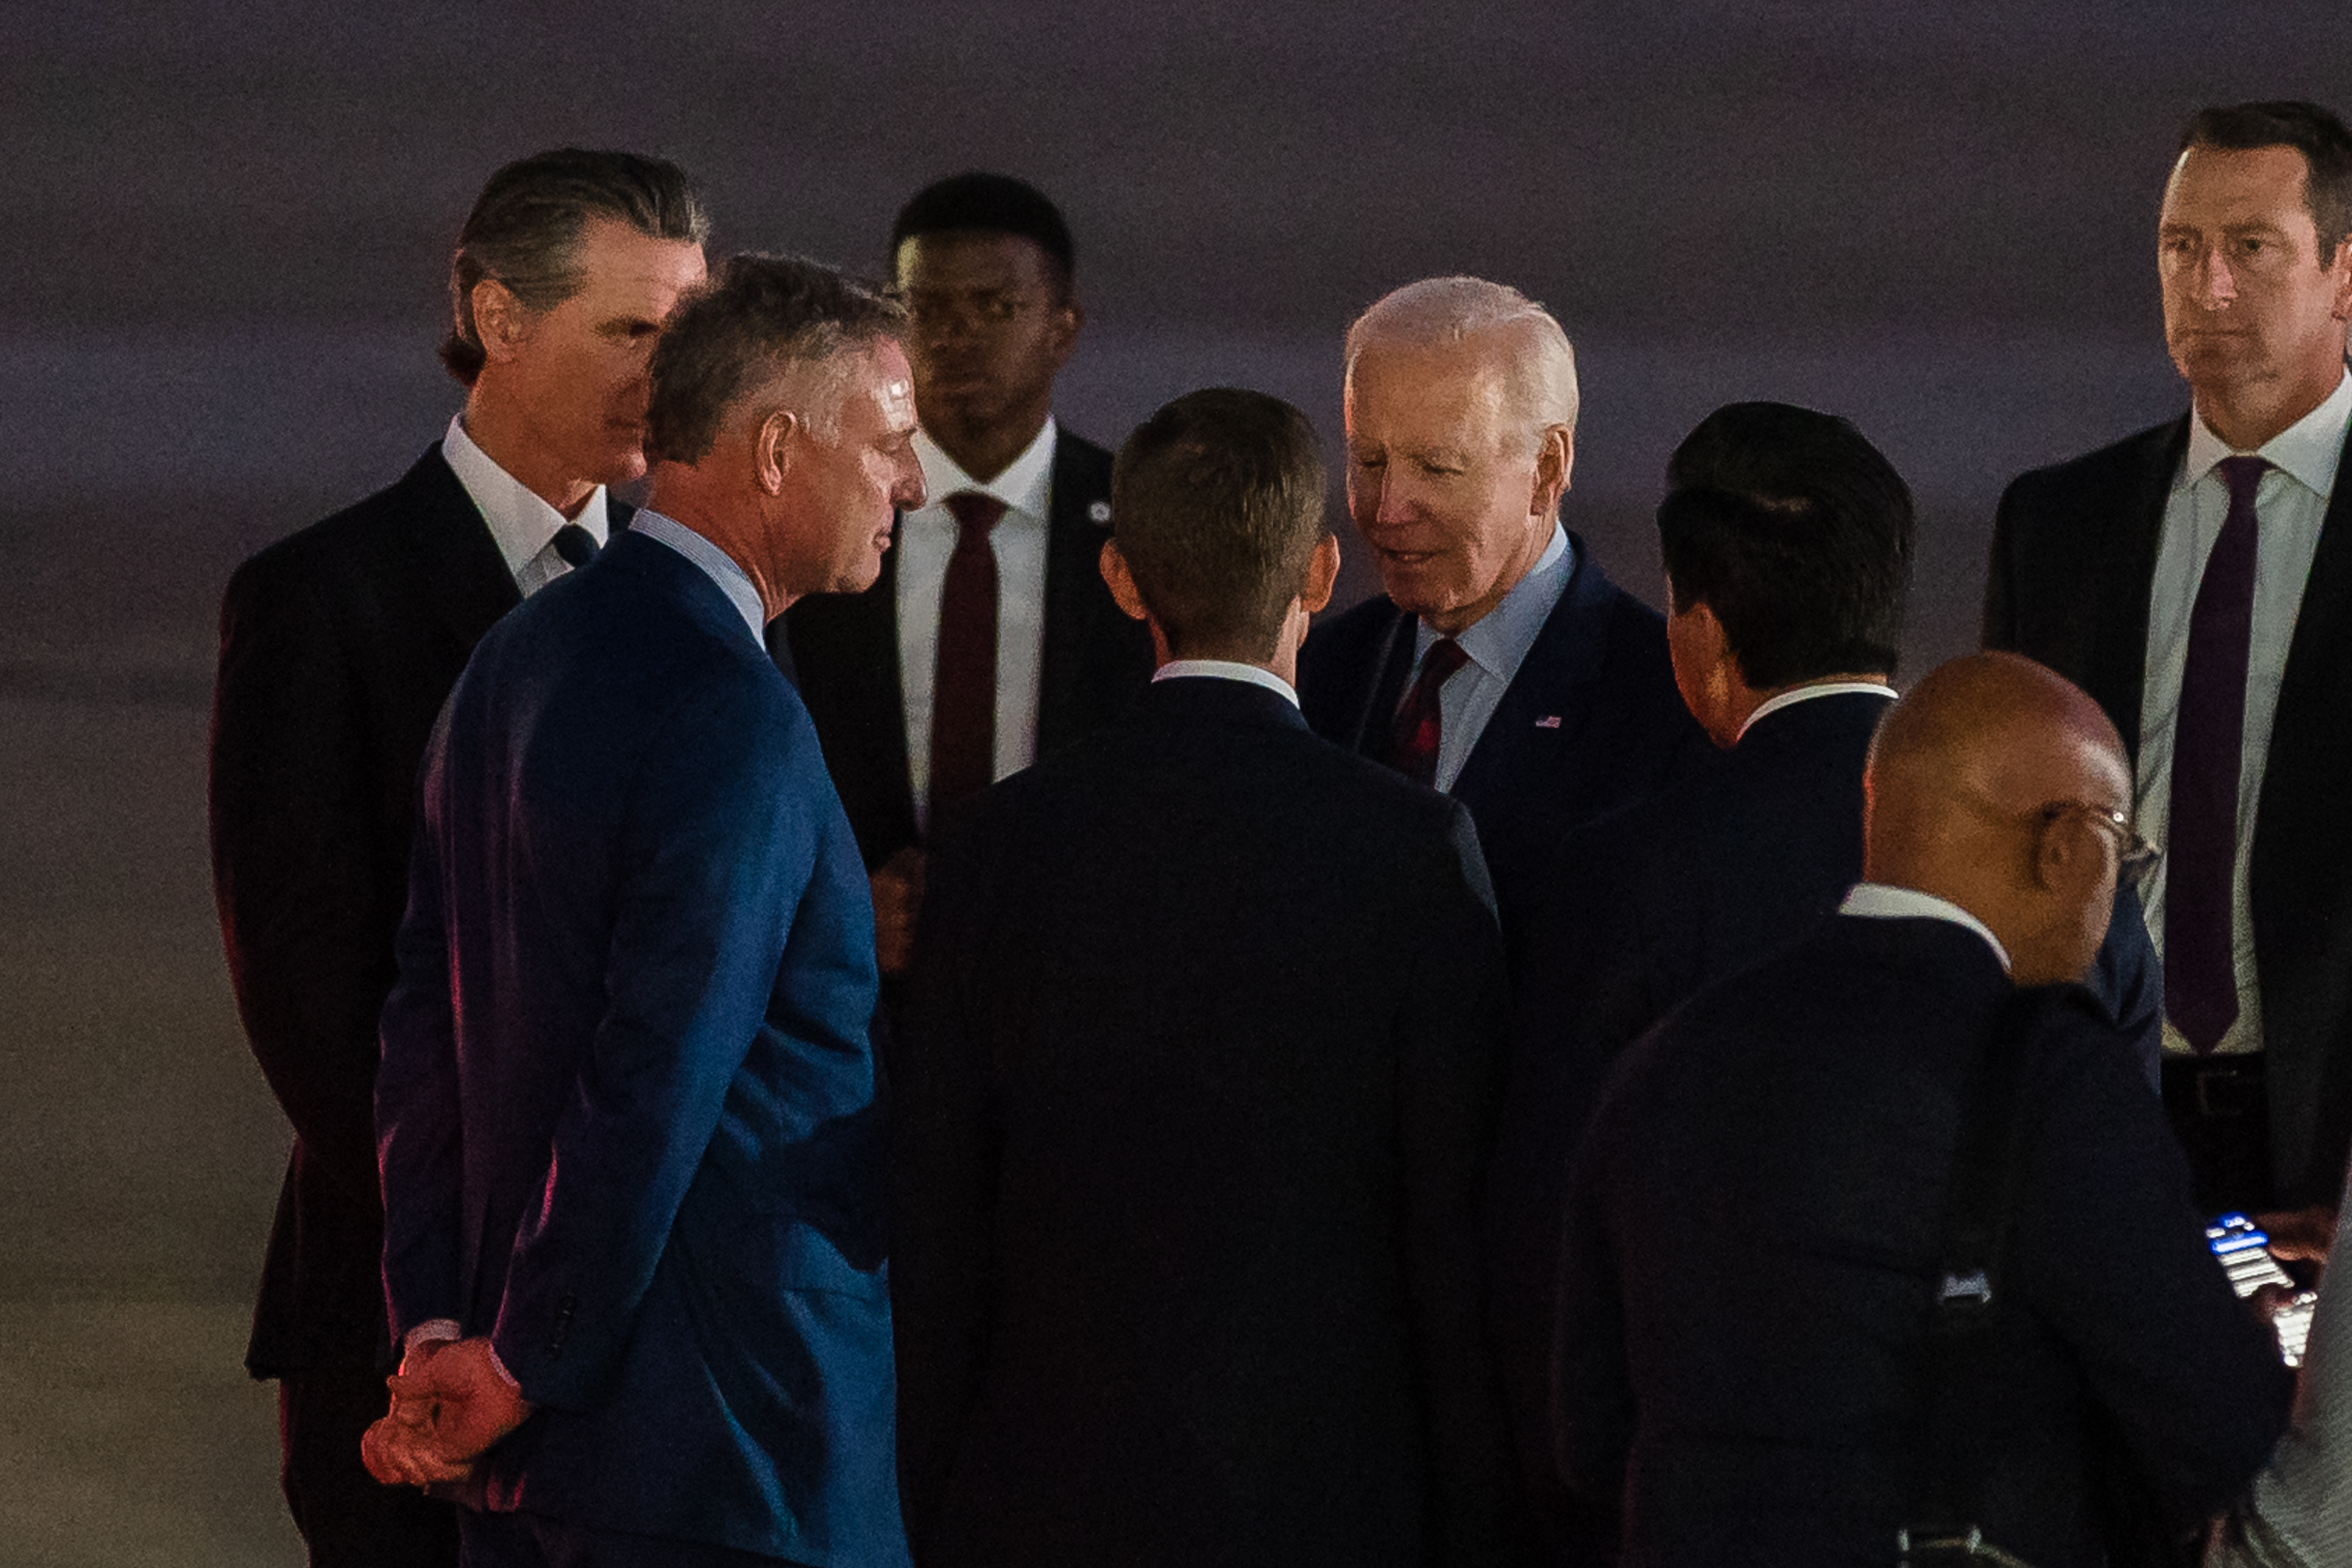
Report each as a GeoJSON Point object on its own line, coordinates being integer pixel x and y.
{"type": "Point", "coordinates": [429, 1331]}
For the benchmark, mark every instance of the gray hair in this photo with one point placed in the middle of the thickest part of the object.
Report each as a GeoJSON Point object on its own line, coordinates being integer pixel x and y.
{"type": "Point", "coordinates": [1442, 311]}
{"type": "Point", "coordinates": [759, 318]}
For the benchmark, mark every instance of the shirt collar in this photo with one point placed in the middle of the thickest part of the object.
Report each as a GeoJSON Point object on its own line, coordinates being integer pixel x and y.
{"type": "Point", "coordinates": [1806, 693]}
{"type": "Point", "coordinates": [1226, 669]}
{"type": "Point", "coordinates": [2308, 450]}
{"type": "Point", "coordinates": [1499, 640]}
{"type": "Point", "coordinates": [1024, 486]}
{"type": "Point", "coordinates": [1878, 901]}
{"type": "Point", "coordinates": [520, 521]}
{"type": "Point", "coordinates": [718, 566]}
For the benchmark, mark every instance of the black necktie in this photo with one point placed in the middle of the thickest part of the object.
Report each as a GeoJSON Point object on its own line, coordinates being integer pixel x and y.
{"type": "Point", "coordinates": [575, 545]}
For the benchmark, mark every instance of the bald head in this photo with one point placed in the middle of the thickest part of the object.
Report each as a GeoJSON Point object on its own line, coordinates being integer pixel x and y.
{"type": "Point", "coordinates": [1987, 785]}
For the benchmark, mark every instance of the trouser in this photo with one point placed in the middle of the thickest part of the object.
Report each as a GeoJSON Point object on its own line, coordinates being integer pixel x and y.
{"type": "Point", "coordinates": [347, 1517]}
{"type": "Point", "coordinates": [2221, 1114]}
{"type": "Point", "coordinates": [534, 1540]}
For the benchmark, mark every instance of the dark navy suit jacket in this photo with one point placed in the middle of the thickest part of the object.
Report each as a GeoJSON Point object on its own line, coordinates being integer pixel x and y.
{"type": "Point", "coordinates": [1649, 904]}
{"type": "Point", "coordinates": [627, 1110]}
{"type": "Point", "coordinates": [1591, 722]}
{"type": "Point", "coordinates": [2073, 558]}
{"type": "Point", "coordinates": [1753, 1233]}
{"type": "Point", "coordinates": [1196, 1091]}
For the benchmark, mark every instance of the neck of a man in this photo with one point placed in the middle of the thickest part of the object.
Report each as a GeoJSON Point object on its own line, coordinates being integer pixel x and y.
{"type": "Point", "coordinates": [2250, 416]}
{"type": "Point", "coordinates": [986, 451]}
{"type": "Point", "coordinates": [679, 494]}
{"type": "Point", "coordinates": [502, 429]}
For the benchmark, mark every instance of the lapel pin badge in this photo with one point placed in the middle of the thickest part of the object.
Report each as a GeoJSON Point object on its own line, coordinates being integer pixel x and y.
{"type": "Point", "coordinates": [1549, 721]}
{"type": "Point", "coordinates": [1100, 512]}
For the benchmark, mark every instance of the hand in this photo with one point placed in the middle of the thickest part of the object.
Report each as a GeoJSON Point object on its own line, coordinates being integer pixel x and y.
{"type": "Point", "coordinates": [399, 1449]}
{"type": "Point", "coordinates": [898, 896]}
{"type": "Point", "coordinates": [2301, 1235]}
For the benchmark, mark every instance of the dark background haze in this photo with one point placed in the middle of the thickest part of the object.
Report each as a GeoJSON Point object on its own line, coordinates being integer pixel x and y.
{"type": "Point", "coordinates": [224, 232]}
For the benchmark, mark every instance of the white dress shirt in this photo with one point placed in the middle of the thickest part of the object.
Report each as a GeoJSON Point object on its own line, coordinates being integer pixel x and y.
{"type": "Point", "coordinates": [522, 524]}
{"type": "Point", "coordinates": [1226, 670]}
{"type": "Point", "coordinates": [1879, 901]}
{"type": "Point", "coordinates": [1771, 705]}
{"type": "Point", "coordinates": [2289, 508]}
{"type": "Point", "coordinates": [1497, 645]}
{"type": "Point", "coordinates": [927, 537]}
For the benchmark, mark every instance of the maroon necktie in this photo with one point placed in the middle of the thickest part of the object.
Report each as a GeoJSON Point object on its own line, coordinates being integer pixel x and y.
{"type": "Point", "coordinates": [2208, 736]}
{"type": "Point", "coordinates": [963, 688]}
{"type": "Point", "coordinates": [1413, 740]}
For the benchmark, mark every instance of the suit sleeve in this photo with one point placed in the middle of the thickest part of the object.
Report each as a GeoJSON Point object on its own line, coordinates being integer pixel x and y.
{"type": "Point", "coordinates": [2114, 1258]}
{"type": "Point", "coordinates": [943, 1157]}
{"type": "Point", "coordinates": [1579, 998]}
{"type": "Point", "coordinates": [294, 867]}
{"type": "Point", "coordinates": [1588, 1427]}
{"type": "Point", "coordinates": [419, 1146]}
{"type": "Point", "coordinates": [1449, 1034]}
{"type": "Point", "coordinates": [717, 846]}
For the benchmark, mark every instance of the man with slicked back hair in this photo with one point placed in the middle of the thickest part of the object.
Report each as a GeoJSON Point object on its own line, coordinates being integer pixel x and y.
{"type": "Point", "coordinates": [337, 647]}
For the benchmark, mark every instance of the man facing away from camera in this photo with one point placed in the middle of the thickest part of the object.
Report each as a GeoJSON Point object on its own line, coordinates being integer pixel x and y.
{"type": "Point", "coordinates": [1195, 1095]}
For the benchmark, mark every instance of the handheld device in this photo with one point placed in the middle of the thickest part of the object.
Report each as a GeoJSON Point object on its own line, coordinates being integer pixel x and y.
{"type": "Point", "coordinates": [2244, 1249]}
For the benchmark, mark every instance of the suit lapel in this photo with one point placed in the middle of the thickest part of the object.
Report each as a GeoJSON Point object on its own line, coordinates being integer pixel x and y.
{"type": "Point", "coordinates": [1074, 547]}
{"type": "Point", "coordinates": [1549, 701]}
{"type": "Point", "coordinates": [2134, 528]}
{"type": "Point", "coordinates": [462, 574]}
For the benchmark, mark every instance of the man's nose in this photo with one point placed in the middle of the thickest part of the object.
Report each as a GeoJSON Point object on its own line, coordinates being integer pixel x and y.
{"type": "Point", "coordinates": [2216, 286]}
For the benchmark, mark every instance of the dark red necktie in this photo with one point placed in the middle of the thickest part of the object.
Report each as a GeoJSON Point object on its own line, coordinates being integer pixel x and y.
{"type": "Point", "coordinates": [2208, 742]}
{"type": "Point", "coordinates": [1413, 740]}
{"type": "Point", "coordinates": [963, 686]}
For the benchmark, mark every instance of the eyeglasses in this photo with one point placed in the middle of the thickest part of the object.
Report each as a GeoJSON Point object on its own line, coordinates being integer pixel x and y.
{"type": "Point", "coordinates": [2135, 857]}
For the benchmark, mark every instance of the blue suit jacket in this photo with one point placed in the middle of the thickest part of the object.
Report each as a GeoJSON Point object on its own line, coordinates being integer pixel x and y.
{"type": "Point", "coordinates": [627, 1111]}
{"type": "Point", "coordinates": [1752, 1239]}
{"type": "Point", "coordinates": [1591, 722]}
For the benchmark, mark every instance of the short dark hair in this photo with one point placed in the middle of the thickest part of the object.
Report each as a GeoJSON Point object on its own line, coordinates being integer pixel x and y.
{"type": "Point", "coordinates": [524, 228]}
{"type": "Point", "coordinates": [754, 317]}
{"type": "Point", "coordinates": [980, 202]}
{"type": "Point", "coordinates": [1217, 504]}
{"type": "Point", "coordinates": [2319, 136]}
{"type": "Point", "coordinates": [1797, 532]}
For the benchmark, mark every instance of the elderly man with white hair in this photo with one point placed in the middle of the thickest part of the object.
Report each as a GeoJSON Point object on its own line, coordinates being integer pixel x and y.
{"type": "Point", "coordinates": [1502, 666]}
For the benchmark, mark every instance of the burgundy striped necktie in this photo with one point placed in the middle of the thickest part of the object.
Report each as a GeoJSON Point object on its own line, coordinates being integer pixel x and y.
{"type": "Point", "coordinates": [963, 685]}
{"type": "Point", "coordinates": [1413, 740]}
{"type": "Point", "coordinates": [2208, 743]}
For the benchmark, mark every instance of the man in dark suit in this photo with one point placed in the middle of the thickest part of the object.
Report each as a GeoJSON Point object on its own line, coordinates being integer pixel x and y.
{"type": "Point", "coordinates": [631, 1147]}
{"type": "Point", "coordinates": [1787, 545]}
{"type": "Point", "coordinates": [1757, 1220]}
{"type": "Point", "coordinates": [337, 647]}
{"type": "Point", "coordinates": [989, 640]}
{"type": "Point", "coordinates": [2135, 571]}
{"type": "Point", "coordinates": [1501, 665]}
{"type": "Point", "coordinates": [1196, 1087]}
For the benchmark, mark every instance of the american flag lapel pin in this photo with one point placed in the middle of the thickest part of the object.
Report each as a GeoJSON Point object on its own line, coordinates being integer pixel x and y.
{"type": "Point", "coordinates": [1549, 721]}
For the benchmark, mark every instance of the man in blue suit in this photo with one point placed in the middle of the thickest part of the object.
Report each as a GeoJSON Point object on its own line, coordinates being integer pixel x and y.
{"type": "Point", "coordinates": [626, 1121]}
{"type": "Point", "coordinates": [1501, 665]}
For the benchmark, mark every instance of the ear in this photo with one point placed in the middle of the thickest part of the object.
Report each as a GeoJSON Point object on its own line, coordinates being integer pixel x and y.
{"type": "Point", "coordinates": [1064, 320]}
{"type": "Point", "coordinates": [1554, 461]}
{"type": "Point", "coordinates": [1123, 582]}
{"type": "Point", "coordinates": [771, 451]}
{"type": "Point", "coordinates": [2342, 267]}
{"type": "Point", "coordinates": [2067, 853]}
{"type": "Point", "coordinates": [1323, 572]}
{"type": "Point", "coordinates": [501, 320]}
